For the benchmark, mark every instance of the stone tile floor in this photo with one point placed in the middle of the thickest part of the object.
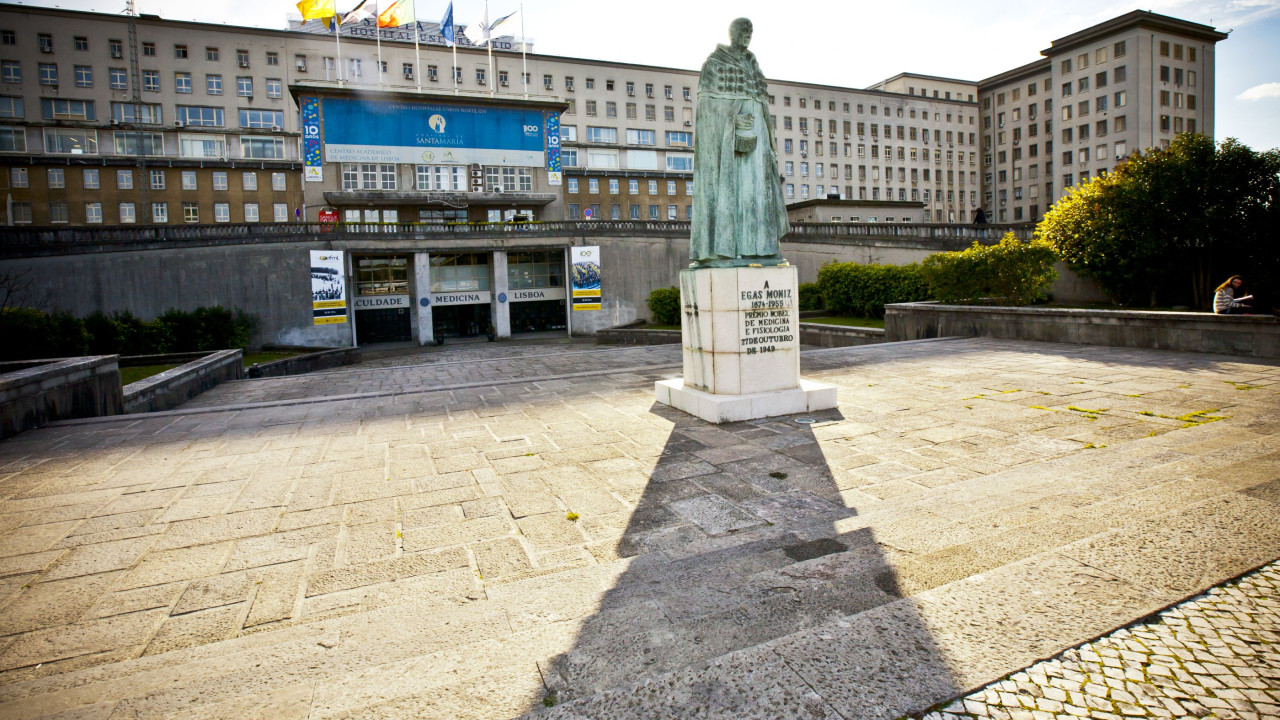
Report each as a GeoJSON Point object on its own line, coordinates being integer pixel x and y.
{"type": "Point", "coordinates": [1216, 655]}
{"type": "Point", "coordinates": [475, 539]}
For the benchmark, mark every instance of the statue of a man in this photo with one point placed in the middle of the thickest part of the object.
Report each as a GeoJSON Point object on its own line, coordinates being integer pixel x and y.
{"type": "Point", "coordinates": [739, 213]}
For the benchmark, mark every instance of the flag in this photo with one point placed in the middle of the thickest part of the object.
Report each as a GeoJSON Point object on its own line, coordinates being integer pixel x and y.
{"type": "Point", "coordinates": [480, 32]}
{"type": "Point", "coordinates": [366, 9]}
{"type": "Point", "coordinates": [316, 9]}
{"type": "Point", "coordinates": [401, 12]}
{"type": "Point", "coordinates": [446, 26]}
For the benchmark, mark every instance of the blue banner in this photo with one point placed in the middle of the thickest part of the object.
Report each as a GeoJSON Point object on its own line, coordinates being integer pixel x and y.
{"type": "Point", "coordinates": [554, 171]}
{"type": "Point", "coordinates": [313, 167]}
{"type": "Point", "coordinates": [357, 130]}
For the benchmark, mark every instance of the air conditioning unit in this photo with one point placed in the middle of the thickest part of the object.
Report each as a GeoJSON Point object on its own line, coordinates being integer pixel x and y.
{"type": "Point", "coordinates": [116, 55]}
{"type": "Point", "coordinates": [408, 74]}
{"type": "Point", "coordinates": [179, 124]}
{"type": "Point", "coordinates": [243, 63]}
{"type": "Point", "coordinates": [631, 93]}
{"type": "Point", "coordinates": [275, 128]}
{"type": "Point", "coordinates": [804, 154]}
{"type": "Point", "coordinates": [114, 121]}
{"type": "Point", "coordinates": [301, 66]}
{"type": "Point", "coordinates": [846, 136]}
{"type": "Point", "coordinates": [504, 83]}
{"type": "Point", "coordinates": [688, 123]}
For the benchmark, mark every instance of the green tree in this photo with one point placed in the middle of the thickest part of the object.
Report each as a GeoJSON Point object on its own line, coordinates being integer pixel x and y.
{"type": "Point", "coordinates": [1168, 222]}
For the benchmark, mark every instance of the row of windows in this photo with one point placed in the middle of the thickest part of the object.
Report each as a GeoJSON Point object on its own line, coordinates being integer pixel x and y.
{"type": "Point", "coordinates": [915, 194]}
{"type": "Point", "coordinates": [577, 212]}
{"type": "Point", "coordinates": [118, 79]}
{"type": "Point", "coordinates": [91, 179]}
{"type": "Point", "coordinates": [142, 114]}
{"type": "Point", "coordinates": [127, 213]}
{"type": "Point", "coordinates": [73, 141]}
{"type": "Point", "coordinates": [633, 186]}
{"type": "Point", "coordinates": [434, 178]}
{"type": "Point", "coordinates": [148, 49]}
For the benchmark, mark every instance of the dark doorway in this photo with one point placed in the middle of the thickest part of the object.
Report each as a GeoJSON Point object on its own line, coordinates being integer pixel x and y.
{"type": "Point", "coordinates": [389, 325]}
{"type": "Point", "coordinates": [537, 316]}
{"type": "Point", "coordinates": [459, 321]}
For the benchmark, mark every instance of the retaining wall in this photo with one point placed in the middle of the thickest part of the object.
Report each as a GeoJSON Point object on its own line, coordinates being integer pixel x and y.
{"type": "Point", "coordinates": [1248, 335]}
{"type": "Point", "coordinates": [33, 394]}
{"type": "Point", "coordinates": [310, 362]}
{"type": "Point", "coordinates": [171, 388]}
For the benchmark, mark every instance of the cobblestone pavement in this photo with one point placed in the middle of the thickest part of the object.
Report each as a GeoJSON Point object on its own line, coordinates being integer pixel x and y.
{"type": "Point", "coordinates": [482, 543]}
{"type": "Point", "coordinates": [1216, 655]}
{"type": "Point", "coordinates": [467, 364]}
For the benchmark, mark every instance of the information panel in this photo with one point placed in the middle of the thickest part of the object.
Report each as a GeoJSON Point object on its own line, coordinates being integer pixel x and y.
{"type": "Point", "coordinates": [585, 271]}
{"type": "Point", "coordinates": [385, 131]}
{"type": "Point", "coordinates": [328, 287]}
{"type": "Point", "coordinates": [555, 173]}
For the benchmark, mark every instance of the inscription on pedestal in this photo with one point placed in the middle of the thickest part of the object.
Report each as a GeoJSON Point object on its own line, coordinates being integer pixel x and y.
{"type": "Point", "coordinates": [766, 319]}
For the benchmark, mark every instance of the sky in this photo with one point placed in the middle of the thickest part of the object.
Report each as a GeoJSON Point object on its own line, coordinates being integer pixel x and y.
{"type": "Point", "coordinates": [844, 44]}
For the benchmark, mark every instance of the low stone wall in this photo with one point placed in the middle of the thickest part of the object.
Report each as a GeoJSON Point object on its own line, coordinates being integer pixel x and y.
{"type": "Point", "coordinates": [309, 362]}
{"type": "Point", "coordinates": [173, 387]}
{"type": "Point", "coordinates": [1248, 335]}
{"type": "Point", "coordinates": [35, 393]}
{"type": "Point", "coordinates": [634, 333]}
{"type": "Point", "coordinates": [829, 336]}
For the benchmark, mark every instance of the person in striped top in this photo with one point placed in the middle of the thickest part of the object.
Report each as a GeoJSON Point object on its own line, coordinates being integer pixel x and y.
{"type": "Point", "coordinates": [1231, 298]}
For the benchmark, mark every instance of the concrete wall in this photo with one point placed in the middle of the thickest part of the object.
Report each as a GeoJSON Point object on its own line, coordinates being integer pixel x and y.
{"type": "Point", "coordinates": [1249, 335]}
{"type": "Point", "coordinates": [32, 395]}
{"type": "Point", "coordinates": [171, 388]}
{"type": "Point", "coordinates": [270, 276]}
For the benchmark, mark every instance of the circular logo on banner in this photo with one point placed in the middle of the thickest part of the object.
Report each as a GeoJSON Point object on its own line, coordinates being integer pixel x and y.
{"type": "Point", "coordinates": [424, 302]}
{"type": "Point", "coordinates": [502, 297]}
{"type": "Point", "coordinates": [436, 122]}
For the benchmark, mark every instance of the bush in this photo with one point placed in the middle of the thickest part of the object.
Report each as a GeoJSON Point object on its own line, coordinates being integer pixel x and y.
{"type": "Point", "coordinates": [811, 297]}
{"type": "Point", "coordinates": [206, 328]}
{"type": "Point", "coordinates": [31, 334]}
{"type": "Point", "coordinates": [664, 306]}
{"type": "Point", "coordinates": [863, 290]}
{"type": "Point", "coordinates": [1014, 271]}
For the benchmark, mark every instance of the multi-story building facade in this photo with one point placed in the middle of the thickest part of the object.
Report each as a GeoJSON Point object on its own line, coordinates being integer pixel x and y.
{"type": "Point", "coordinates": [207, 128]}
{"type": "Point", "coordinates": [1131, 83]}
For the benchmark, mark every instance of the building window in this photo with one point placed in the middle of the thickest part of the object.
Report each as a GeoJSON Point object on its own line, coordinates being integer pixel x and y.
{"type": "Point", "coordinates": [244, 86]}
{"type": "Point", "coordinates": [222, 212]}
{"type": "Point", "coordinates": [124, 179]}
{"type": "Point", "coordinates": [280, 212]}
{"type": "Point", "coordinates": [250, 181]}
{"type": "Point", "coordinates": [93, 213]}
{"type": "Point", "coordinates": [679, 139]}
{"type": "Point", "coordinates": [273, 58]}
{"type": "Point", "coordinates": [266, 119]}
{"type": "Point", "coordinates": [190, 212]}
{"type": "Point", "coordinates": [149, 49]}
{"type": "Point", "coordinates": [57, 178]}
{"type": "Point", "coordinates": [67, 141]}
{"type": "Point", "coordinates": [213, 84]}
{"type": "Point", "coordinates": [211, 54]}
{"type": "Point", "coordinates": [91, 181]}
{"type": "Point", "coordinates": [138, 143]}
{"type": "Point", "coordinates": [128, 213]}
{"type": "Point", "coordinates": [8, 37]}
{"type": "Point", "coordinates": [82, 110]}
{"type": "Point", "coordinates": [182, 82]}
{"type": "Point", "coordinates": [157, 179]}
{"type": "Point", "coordinates": [118, 78]}
{"type": "Point", "coordinates": [242, 58]}
{"type": "Point", "coordinates": [151, 80]}
{"type": "Point", "coordinates": [160, 212]}
{"type": "Point", "coordinates": [251, 212]}
{"type": "Point", "coordinates": [219, 179]}
{"type": "Point", "coordinates": [200, 116]}
{"type": "Point", "coordinates": [275, 88]}
{"type": "Point", "coordinates": [84, 76]}
{"type": "Point", "coordinates": [640, 137]}
{"type": "Point", "coordinates": [602, 134]}
{"type": "Point", "coordinates": [188, 179]}
{"type": "Point", "coordinates": [10, 71]}
{"type": "Point", "coordinates": [278, 181]}
{"type": "Point", "coordinates": [22, 213]}
{"type": "Point", "coordinates": [48, 74]}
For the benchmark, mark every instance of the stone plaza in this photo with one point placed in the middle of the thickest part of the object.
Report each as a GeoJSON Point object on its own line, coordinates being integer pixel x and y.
{"type": "Point", "coordinates": [519, 528]}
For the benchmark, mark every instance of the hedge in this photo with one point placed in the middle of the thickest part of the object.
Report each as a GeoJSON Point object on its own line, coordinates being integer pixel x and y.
{"type": "Point", "coordinates": [33, 334]}
{"type": "Point", "coordinates": [863, 290]}
{"type": "Point", "coordinates": [811, 297]}
{"type": "Point", "coordinates": [1014, 272]}
{"type": "Point", "coordinates": [664, 306]}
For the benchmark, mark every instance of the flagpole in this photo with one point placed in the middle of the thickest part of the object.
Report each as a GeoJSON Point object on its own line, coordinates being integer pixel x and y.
{"type": "Point", "coordinates": [454, 70]}
{"type": "Point", "coordinates": [488, 41]}
{"type": "Point", "coordinates": [417, 33]}
{"type": "Point", "coordinates": [524, 57]}
{"type": "Point", "coordinates": [337, 35]}
{"type": "Point", "coordinates": [378, 38]}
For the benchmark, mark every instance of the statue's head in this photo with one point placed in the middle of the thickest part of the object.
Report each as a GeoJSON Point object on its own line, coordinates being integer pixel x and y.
{"type": "Point", "coordinates": [740, 33]}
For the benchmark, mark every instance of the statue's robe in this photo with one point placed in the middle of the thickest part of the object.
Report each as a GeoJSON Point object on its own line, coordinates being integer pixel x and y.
{"type": "Point", "coordinates": [738, 211]}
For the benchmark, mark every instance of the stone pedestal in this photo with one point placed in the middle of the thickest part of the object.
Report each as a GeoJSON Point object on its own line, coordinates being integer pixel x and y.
{"type": "Point", "coordinates": [740, 333]}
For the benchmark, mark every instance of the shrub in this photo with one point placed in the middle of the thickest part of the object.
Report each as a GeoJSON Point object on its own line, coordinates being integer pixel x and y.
{"type": "Point", "coordinates": [31, 334]}
{"type": "Point", "coordinates": [206, 328]}
{"type": "Point", "coordinates": [811, 297]}
{"type": "Point", "coordinates": [863, 290]}
{"type": "Point", "coordinates": [1014, 271]}
{"type": "Point", "coordinates": [664, 306]}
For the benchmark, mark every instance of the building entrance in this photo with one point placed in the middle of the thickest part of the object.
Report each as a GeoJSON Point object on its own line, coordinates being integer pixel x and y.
{"type": "Point", "coordinates": [539, 316]}
{"type": "Point", "coordinates": [460, 321]}
{"type": "Point", "coordinates": [382, 300]}
{"type": "Point", "coordinates": [375, 326]}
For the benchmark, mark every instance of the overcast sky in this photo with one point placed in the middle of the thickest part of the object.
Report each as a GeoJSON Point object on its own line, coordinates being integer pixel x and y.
{"type": "Point", "coordinates": [847, 44]}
